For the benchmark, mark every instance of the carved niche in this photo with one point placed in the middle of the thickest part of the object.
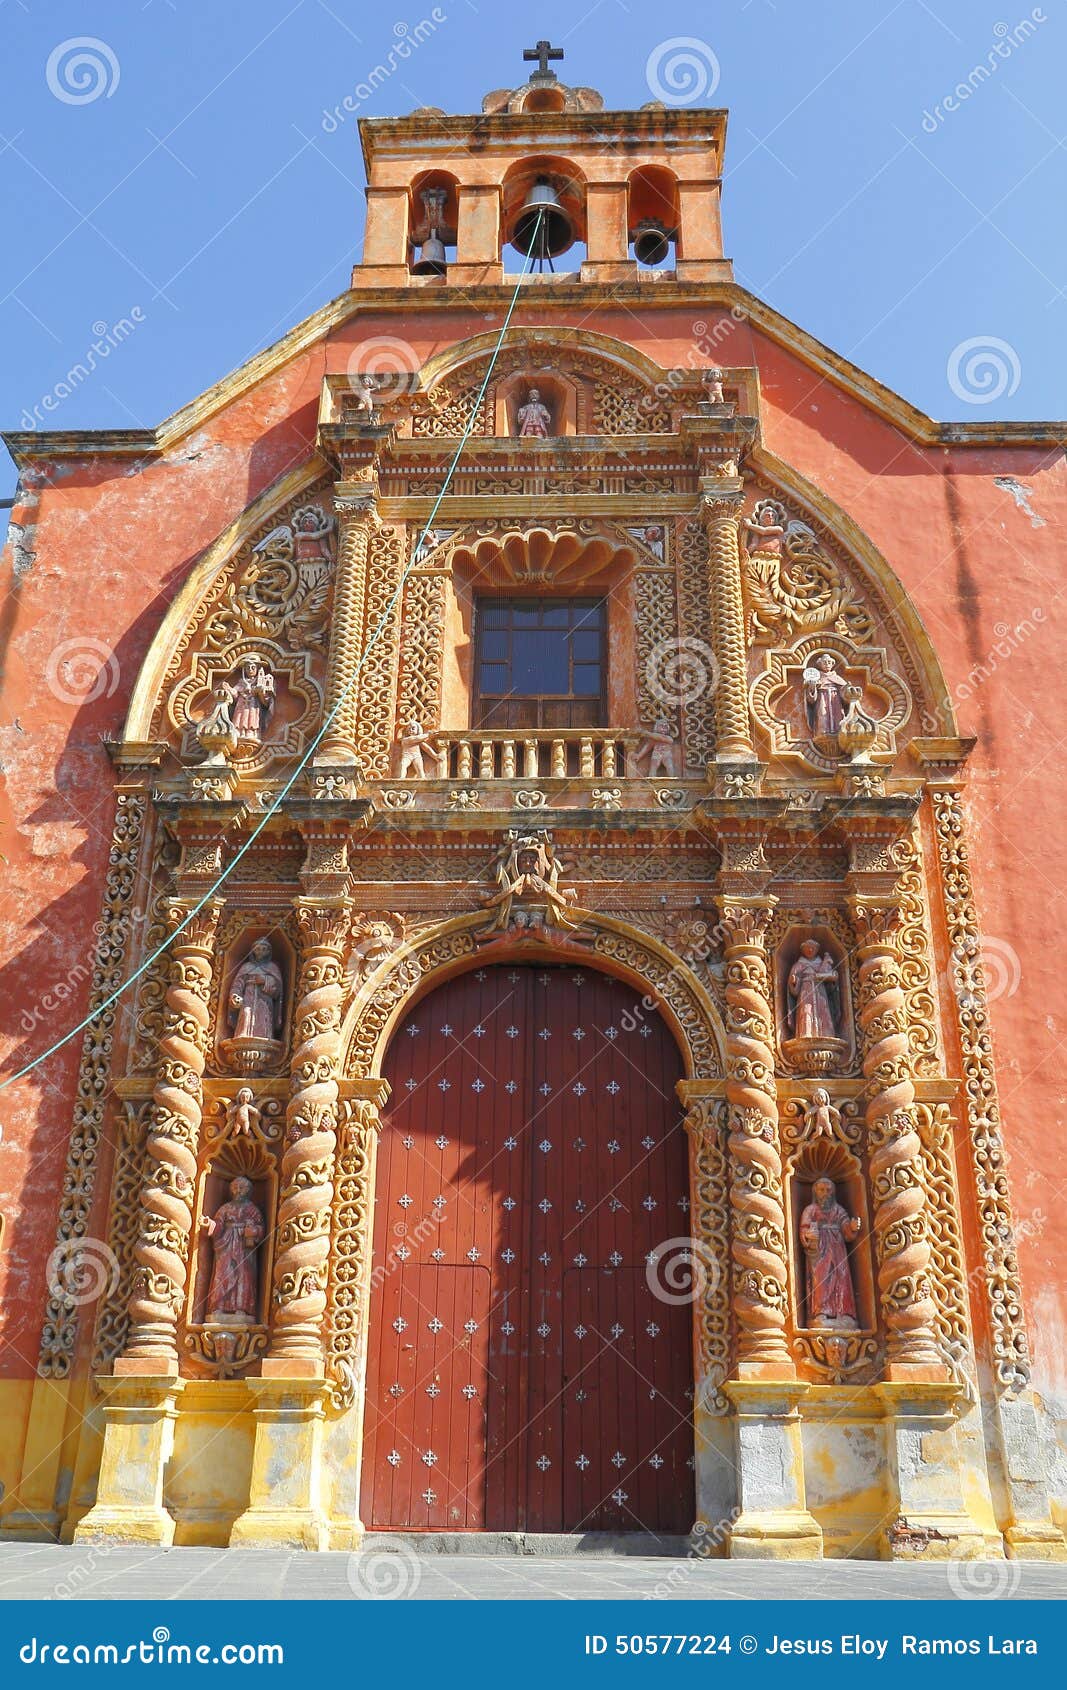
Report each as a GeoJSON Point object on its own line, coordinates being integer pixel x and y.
{"type": "Point", "coordinates": [268, 607]}
{"type": "Point", "coordinates": [811, 694]}
{"type": "Point", "coordinates": [813, 1001]}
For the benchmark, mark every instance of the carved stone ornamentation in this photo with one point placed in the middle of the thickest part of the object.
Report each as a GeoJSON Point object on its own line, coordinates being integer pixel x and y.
{"type": "Point", "coordinates": [758, 1243]}
{"type": "Point", "coordinates": [528, 898]}
{"type": "Point", "coordinates": [733, 739]}
{"type": "Point", "coordinates": [791, 584]}
{"type": "Point", "coordinates": [824, 687]}
{"type": "Point", "coordinates": [170, 1159]}
{"type": "Point", "coordinates": [898, 1187]}
{"type": "Point", "coordinates": [110, 969]}
{"type": "Point", "coordinates": [705, 1122]}
{"type": "Point", "coordinates": [303, 1226]}
{"type": "Point", "coordinates": [1011, 1350]}
{"type": "Point", "coordinates": [359, 1126]}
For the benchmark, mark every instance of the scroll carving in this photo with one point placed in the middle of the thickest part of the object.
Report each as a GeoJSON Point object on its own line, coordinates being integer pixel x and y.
{"type": "Point", "coordinates": [1011, 1350]}
{"type": "Point", "coordinates": [705, 1122]}
{"type": "Point", "coordinates": [110, 968]}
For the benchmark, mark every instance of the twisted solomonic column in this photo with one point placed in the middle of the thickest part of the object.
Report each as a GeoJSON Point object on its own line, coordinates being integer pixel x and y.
{"type": "Point", "coordinates": [303, 1226]}
{"type": "Point", "coordinates": [733, 736]}
{"type": "Point", "coordinates": [355, 514]}
{"type": "Point", "coordinates": [898, 1188]}
{"type": "Point", "coordinates": [758, 1240]}
{"type": "Point", "coordinates": [161, 1250]}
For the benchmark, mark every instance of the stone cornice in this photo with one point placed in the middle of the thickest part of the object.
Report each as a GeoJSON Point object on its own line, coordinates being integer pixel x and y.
{"type": "Point", "coordinates": [559, 293]}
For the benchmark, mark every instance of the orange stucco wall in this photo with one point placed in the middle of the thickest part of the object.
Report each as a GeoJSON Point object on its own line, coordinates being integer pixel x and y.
{"type": "Point", "coordinates": [112, 541]}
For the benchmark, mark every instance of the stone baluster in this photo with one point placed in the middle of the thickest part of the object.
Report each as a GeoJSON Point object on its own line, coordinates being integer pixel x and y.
{"type": "Point", "coordinates": [303, 1225]}
{"type": "Point", "coordinates": [758, 1242]}
{"type": "Point", "coordinates": [733, 738]}
{"type": "Point", "coordinates": [530, 763]}
{"type": "Point", "coordinates": [161, 1251]}
{"type": "Point", "coordinates": [355, 506]}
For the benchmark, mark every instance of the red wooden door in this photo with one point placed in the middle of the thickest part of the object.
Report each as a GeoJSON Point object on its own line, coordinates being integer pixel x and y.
{"type": "Point", "coordinates": [523, 1374]}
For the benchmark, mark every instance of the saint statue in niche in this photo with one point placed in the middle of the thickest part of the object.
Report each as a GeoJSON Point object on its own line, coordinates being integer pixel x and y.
{"type": "Point", "coordinates": [534, 418]}
{"type": "Point", "coordinates": [235, 1230]}
{"type": "Point", "coordinates": [825, 697]}
{"type": "Point", "coordinates": [826, 1229]}
{"type": "Point", "coordinates": [814, 1004]}
{"type": "Point", "coordinates": [253, 701]}
{"type": "Point", "coordinates": [256, 995]}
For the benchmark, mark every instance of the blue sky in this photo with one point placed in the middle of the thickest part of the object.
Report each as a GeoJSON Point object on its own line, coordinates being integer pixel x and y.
{"type": "Point", "coordinates": [201, 196]}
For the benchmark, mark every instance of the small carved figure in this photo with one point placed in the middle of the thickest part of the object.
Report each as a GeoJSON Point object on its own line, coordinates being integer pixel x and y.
{"type": "Point", "coordinates": [311, 534]}
{"type": "Point", "coordinates": [429, 542]}
{"type": "Point", "coordinates": [413, 746]}
{"type": "Point", "coordinates": [363, 397]}
{"type": "Point", "coordinates": [765, 528]}
{"type": "Point", "coordinates": [826, 1229]}
{"type": "Point", "coordinates": [856, 733]}
{"type": "Point", "coordinates": [216, 733]}
{"type": "Point", "coordinates": [713, 384]}
{"type": "Point", "coordinates": [657, 751]}
{"type": "Point", "coordinates": [534, 418]}
{"type": "Point", "coordinates": [235, 1230]}
{"type": "Point", "coordinates": [822, 1120]}
{"type": "Point", "coordinates": [256, 995]}
{"type": "Point", "coordinates": [813, 998]}
{"type": "Point", "coordinates": [825, 697]}
{"type": "Point", "coordinates": [253, 701]}
{"type": "Point", "coordinates": [727, 469]}
{"type": "Point", "coordinates": [242, 1116]}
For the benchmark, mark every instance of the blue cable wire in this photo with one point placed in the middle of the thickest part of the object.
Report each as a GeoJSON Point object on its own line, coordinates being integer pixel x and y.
{"type": "Point", "coordinates": [327, 723]}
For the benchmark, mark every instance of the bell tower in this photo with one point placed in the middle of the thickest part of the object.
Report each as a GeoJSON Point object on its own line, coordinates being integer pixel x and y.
{"type": "Point", "coordinates": [543, 170]}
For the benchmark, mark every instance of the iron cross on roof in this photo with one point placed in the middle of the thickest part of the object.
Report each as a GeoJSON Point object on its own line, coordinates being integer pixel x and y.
{"type": "Point", "coordinates": [543, 52]}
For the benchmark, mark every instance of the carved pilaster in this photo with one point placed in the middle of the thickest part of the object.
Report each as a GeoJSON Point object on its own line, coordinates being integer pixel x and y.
{"type": "Point", "coordinates": [898, 1185]}
{"type": "Point", "coordinates": [161, 1251]}
{"type": "Point", "coordinates": [356, 520]}
{"type": "Point", "coordinates": [705, 1123]}
{"type": "Point", "coordinates": [303, 1226]}
{"type": "Point", "coordinates": [733, 737]}
{"type": "Point", "coordinates": [758, 1244]}
{"type": "Point", "coordinates": [360, 1124]}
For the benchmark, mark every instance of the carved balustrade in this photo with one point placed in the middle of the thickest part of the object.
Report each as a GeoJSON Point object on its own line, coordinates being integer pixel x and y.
{"type": "Point", "coordinates": [521, 754]}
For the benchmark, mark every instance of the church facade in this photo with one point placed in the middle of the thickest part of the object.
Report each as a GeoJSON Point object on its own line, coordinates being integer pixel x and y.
{"type": "Point", "coordinates": [514, 809]}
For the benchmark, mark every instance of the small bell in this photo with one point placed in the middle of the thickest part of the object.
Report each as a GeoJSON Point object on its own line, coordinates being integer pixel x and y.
{"type": "Point", "coordinates": [432, 259]}
{"type": "Point", "coordinates": [542, 227]}
{"type": "Point", "coordinates": [651, 241]}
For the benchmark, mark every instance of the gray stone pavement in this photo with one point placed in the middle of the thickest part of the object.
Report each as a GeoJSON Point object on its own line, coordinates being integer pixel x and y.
{"type": "Point", "coordinates": [381, 1571]}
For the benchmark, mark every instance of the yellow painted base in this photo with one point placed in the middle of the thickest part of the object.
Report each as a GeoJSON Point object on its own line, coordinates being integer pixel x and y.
{"type": "Point", "coordinates": [285, 1493]}
{"type": "Point", "coordinates": [139, 1415]}
{"type": "Point", "coordinates": [793, 1535]}
{"type": "Point", "coordinates": [1040, 1542]}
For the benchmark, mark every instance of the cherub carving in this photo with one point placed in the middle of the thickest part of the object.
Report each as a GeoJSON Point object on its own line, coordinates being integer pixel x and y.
{"type": "Point", "coordinates": [413, 746]}
{"type": "Point", "coordinates": [656, 752]}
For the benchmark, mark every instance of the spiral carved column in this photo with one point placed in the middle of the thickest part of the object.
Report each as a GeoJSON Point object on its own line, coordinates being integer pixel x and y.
{"type": "Point", "coordinates": [161, 1251]}
{"type": "Point", "coordinates": [303, 1226]}
{"type": "Point", "coordinates": [733, 737]}
{"type": "Point", "coordinates": [355, 513]}
{"type": "Point", "coordinates": [758, 1239]}
{"type": "Point", "coordinates": [898, 1188]}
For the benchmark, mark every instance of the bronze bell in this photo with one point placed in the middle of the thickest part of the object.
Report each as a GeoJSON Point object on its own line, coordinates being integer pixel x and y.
{"type": "Point", "coordinates": [542, 227]}
{"type": "Point", "coordinates": [652, 241]}
{"type": "Point", "coordinates": [432, 259]}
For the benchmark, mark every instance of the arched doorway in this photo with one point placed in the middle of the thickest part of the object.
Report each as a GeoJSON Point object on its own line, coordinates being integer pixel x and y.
{"type": "Point", "coordinates": [523, 1374]}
